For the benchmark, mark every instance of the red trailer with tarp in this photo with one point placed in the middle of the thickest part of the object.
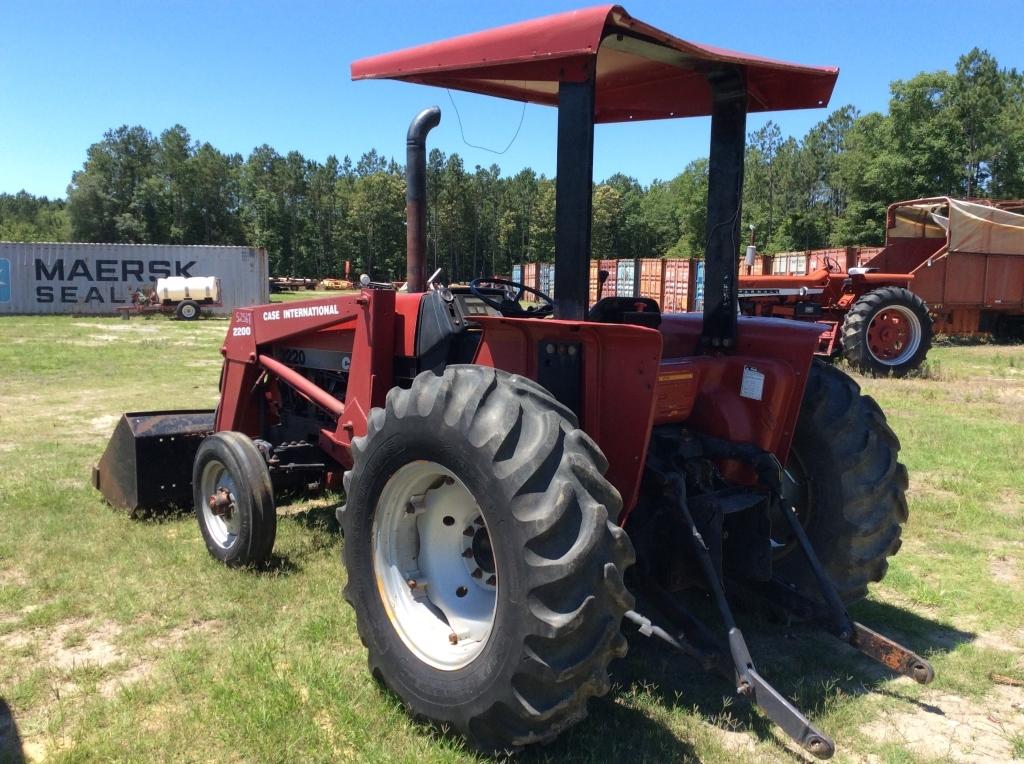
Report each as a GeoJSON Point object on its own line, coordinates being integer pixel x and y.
{"type": "Point", "coordinates": [966, 259]}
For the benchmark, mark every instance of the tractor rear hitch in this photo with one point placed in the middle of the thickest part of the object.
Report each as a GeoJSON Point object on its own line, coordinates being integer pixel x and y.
{"type": "Point", "coordinates": [890, 654]}
{"type": "Point", "coordinates": [749, 684]}
{"type": "Point", "coordinates": [738, 666]}
{"type": "Point", "coordinates": [788, 717]}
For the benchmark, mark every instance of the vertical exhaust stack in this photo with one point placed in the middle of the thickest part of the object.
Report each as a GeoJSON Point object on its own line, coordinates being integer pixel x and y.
{"type": "Point", "coordinates": [416, 197]}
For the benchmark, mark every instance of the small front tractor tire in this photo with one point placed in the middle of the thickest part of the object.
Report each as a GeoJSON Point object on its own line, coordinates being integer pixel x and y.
{"type": "Point", "coordinates": [188, 310]}
{"type": "Point", "coordinates": [234, 500]}
{"type": "Point", "coordinates": [847, 486]}
{"type": "Point", "coordinates": [485, 574]}
{"type": "Point", "coordinates": [887, 332]}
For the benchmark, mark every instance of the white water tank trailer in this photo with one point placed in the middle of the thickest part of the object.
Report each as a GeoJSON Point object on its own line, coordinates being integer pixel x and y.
{"type": "Point", "coordinates": [179, 288]}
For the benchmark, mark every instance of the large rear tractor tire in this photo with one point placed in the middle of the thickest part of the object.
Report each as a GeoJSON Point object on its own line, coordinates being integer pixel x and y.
{"type": "Point", "coordinates": [887, 332]}
{"type": "Point", "coordinates": [484, 572]}
{"type": "Point", "coordinates": [234, 500]}
{"type": "Point", "coordinates": [845, 482]}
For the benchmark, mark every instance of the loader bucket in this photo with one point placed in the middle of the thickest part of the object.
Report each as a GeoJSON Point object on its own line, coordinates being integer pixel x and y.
{"type": "Point", "coordinates": [148, 461]}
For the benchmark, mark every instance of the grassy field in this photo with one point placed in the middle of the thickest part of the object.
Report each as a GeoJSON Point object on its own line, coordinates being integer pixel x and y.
{"type": "Point", "coordinates": [121, 640]}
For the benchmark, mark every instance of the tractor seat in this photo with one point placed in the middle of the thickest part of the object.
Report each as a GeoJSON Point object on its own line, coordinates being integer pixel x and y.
{"type": "Point", "coordinates": [642, 311]}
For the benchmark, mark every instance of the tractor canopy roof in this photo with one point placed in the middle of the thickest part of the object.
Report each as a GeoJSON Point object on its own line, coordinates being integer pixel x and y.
{"type": "Point", "coordinates": [641, 72]}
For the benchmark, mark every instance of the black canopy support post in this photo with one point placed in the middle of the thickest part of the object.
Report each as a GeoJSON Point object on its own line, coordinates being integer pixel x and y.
{"type": "Point", "coordinates": [573, 198]}
{"type": "Point", "coordinates": [725, 195]}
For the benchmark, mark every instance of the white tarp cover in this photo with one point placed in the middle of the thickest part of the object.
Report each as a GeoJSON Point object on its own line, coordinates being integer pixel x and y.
{"type": "Point", "coordinates": [983, 229]}
{"type": "Point", "coordinates": [971, 227]}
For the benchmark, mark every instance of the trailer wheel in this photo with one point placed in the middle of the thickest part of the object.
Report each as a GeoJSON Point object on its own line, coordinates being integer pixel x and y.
{"type": "Point", "coordinates": [187, 310]}
{"type": "Point", "coordinates": [485, 575]}
{"type": "Point", "coordinates": [234, 500]}
{"type": "Point", "coordinates": [845, 482]}
{"type": "Point", "coordinates": [887, 331]}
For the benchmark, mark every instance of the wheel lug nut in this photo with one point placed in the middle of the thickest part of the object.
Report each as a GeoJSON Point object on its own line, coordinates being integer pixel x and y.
{"type": "Point", "coordinates": [468, 532]}
{"type": "Point", "coordinates": [453, 638]}
{"type": "Point", "coordinates": [492, 580]}
{"type": "Point", "coordinates": [467, 553]}
{"type": "Point", "coordinates": [477, 573]}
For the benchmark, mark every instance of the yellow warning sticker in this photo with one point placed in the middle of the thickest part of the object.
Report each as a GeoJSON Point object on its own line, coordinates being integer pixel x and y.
{"type": "Point", "coordinates": [678, 376]}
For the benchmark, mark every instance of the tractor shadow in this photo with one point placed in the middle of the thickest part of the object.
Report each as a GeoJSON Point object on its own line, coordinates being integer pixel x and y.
{"type": "Point", "coordinates": [808, 666]}
{"type": "Point", "coordinates": [11, 751]}
{"type": "Point", "coordinates": [613, 731]}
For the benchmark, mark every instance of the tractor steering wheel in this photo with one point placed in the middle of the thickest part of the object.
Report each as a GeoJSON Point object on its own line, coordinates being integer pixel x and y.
{"type": "Point", "coordinates": [509, 306]}
{"type": "Point", "coordinates": [831, 265]}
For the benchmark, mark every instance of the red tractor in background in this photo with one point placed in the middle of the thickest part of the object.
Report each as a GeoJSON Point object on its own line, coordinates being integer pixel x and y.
{"type": "Point", "coordinates": [873, 319]}
{"type": "Point", "coordinates": [515, 477]}
{"type": "Point", "coordinates": [949, 265]}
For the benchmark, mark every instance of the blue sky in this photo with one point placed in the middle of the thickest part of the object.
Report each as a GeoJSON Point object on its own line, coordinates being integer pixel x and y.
{"type": "Point", "coordinates": [239, 74]}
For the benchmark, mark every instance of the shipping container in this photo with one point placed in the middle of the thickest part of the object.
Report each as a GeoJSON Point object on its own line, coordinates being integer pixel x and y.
{"type": "Point", "coordinates": [677, 286]}
{"type": "Point", "coordinates": [546, 278]}
{"type": "Point", "coordinates": [866, 254]}
{"type": "Point", "coordinates": [792, 263]}
{"type": "Point", "coordinates": [593, 281]}
{"type": "Point", "coordinates": [94, 279]}
{"type": "Point", "coordinates": [762, 266]}
{"type": "Point", "coordinates": [517, 274]}
{"type": "Point", "coordinates": [530, 280]}
{"type": "Point", "coordinates": [625, 283]}
{"type": "Point", "coordinates": [610, 285]}
{"type": "Point", "coordinates": [698, 288]}
{"type": "Point", "coordinates": [826, 258]}
{"type": "Point", "coordinates": [651, 278]}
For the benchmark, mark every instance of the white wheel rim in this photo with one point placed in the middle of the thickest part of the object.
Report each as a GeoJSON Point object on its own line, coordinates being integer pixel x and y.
{"type": "Point", "coordinates": [432, 562]}
{"type": "Point", "coordinates": [911, 343]}
{"type": "Point", "coordinates": [223, 528]}
{"type": "Point", "coordinates": [188, 311]}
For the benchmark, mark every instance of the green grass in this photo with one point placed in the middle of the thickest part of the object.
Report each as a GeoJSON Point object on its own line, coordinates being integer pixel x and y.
{"type": "Point", "coordinates": [121, 640]}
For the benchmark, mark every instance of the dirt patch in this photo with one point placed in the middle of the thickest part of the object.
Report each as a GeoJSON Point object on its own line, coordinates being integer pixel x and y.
{"type": "Point", "coordinates": [70, 645]}
{"type": "Point", "coordinates": [953, 728]}
{"type": "Point", "coordinates": [102, 338]}
{"type": "Point", "coordinates": [9, 618]}
{"type": "Point", "coordinates": [116, 327]}
{"type": "Point", "coordinates": [1008, 641]}
{"type": "Point", "coordinates": [143, 669]}
{"type": "Point", "coordinates": [79, 643]}
{"type": "Point", "coordinates": [179, 634]}
{"type": "Point", "coordinates": [75, 644]}
{"type": "Point", "coordinates": [103, 425]}
{"type": "Point", "coordinates": [928, 484]}
{"type": "Point", "coordinates": [1003, 570]}
{"type": "Point", "coordinates": [110, 687]}
{"type": "Point", "coordinates": [13, 577]}
{"type": "Point", "coordinates": [1009, 502]}
{"type": "Point", "coordinates": [735, 742]}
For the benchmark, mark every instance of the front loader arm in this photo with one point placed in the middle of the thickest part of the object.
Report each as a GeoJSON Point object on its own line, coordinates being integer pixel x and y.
{"type": "Point", "coordinates": [248, 354]}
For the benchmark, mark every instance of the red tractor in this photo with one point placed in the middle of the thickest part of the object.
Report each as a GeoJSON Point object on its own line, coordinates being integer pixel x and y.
{"type": "Point", "coordinates": [873, 319]}
{"type": "Point", "coordinates": [514, 477]}
{"type": "Point", "coordinates": [963, 259]}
